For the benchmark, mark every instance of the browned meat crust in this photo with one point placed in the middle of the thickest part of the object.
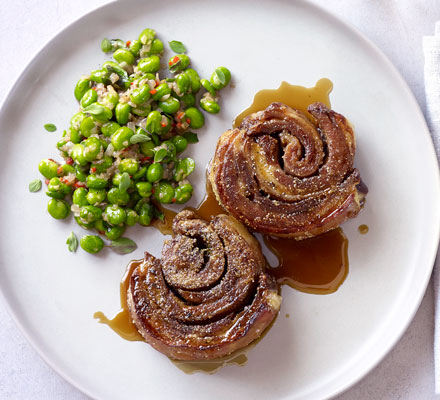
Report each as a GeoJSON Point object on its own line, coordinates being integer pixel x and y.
{"type": "Point", "coordinates": [281, 174]}
{"type": "Point", "coordinates": [209, 294]}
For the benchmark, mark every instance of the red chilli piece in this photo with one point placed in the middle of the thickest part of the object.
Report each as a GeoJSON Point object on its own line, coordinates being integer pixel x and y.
{"type": "Point", "coordinates": [51, 159]}
{"type": "Point", "coordinates": [128, 43]}
{"type": "Point", "coordinates": [179, 125]}
{"type": "Point", "coordinates": [93, 170]}
{"type": "Point", "coordinates": [188, 120]}
{"type": "Point", "coordinates": [60, 170]}
{"type": "Point", "coordinates": [173, 200]}
{"type": "Point", "coordinates": [46, 181]}
{"type": "Point", "coordinates": [180, 115]}
{"type": "Point", "coordinates": [94, 88]}
{"type": "Point", "coordinates": [79, 184]}
{"type": "Point", "coordinates": [153, 91]}
{"type": "Point", "coordinates": [163, 124]}
{"type": "Point", "coordinates": [157, 83]}
{"type": "Point", "coordinates": [152, 191]}
{"type": "Point", "coordinates": [176, 59]}
{"type": "Point", "coordinates": [69, 160]}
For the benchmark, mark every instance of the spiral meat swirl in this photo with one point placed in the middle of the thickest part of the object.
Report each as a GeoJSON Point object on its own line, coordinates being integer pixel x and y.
{"type": "Point", "coordinates": [283, 175]}
{"type": "Point", "coordinates": [208, 295]}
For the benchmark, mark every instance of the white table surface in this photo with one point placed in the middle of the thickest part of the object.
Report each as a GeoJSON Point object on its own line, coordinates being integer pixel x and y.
{"type": "Point", "coordinates": [395, 26]}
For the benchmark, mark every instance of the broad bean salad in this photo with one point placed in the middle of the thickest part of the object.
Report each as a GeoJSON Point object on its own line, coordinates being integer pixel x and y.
{"type": "Point", "coordinates": [122, 151]}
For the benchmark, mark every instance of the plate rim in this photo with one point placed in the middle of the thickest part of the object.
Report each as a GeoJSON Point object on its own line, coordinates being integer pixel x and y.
{"type": "Point", "coordinates": [372, 47]}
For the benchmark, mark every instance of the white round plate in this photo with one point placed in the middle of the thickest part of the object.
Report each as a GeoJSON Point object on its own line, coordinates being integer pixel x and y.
{"type": "Point", "coordinates": [330, 341]}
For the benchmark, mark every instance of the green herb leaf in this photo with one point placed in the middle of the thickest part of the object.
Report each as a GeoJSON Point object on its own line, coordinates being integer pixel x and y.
{"type": "Point", "coordinates": [191, 137]}
{"type": "Point", "coordinates": [220, 76]}
{"type": "Point", "coordinates": [125, 181]}
{"type": "Point", "coordinates": [123, 245]}
{"type": "Point", "coordinates": [139, 138]}
{"type": "Point", "coordinates": [72, 242]}
{"type": "Point", "coordinates": [94, 109]}
{"type": "Point", "coordinates": [158, 214]}
{"type": "Point", "coordinates": [50, 127]}
{"type": "Point", "coordinates": [177, 47]}
{"type": "Point", "coordinates": [160, 155]}
{"type": "Point", "coordinates": [184, 168]}
{"type": "Point", "coordinates": [35, 186]}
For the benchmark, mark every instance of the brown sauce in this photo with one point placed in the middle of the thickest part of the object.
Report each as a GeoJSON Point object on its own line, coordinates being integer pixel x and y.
{"type": "Point", "coordinates": [363, 229]}
{"type": "Point", "coordinates": [318, 265]}
{"type": "Point", "coordinates": [298, 97]}
{"type": "Point", "coordinates": [122, 323]}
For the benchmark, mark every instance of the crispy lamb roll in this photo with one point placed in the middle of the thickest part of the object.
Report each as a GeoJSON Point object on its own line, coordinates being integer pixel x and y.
{"type": "Point", "coordinates": [282, 174]}
{"type": "Point", "coordinates": [208, 295]}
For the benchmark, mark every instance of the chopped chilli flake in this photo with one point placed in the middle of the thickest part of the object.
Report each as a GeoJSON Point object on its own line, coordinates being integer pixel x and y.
{"type": "Point", "coordinates": [60, 170]}
{"type": "Point", "coordinates": [173, 200]}
{"type": "Point", "coordinates": [154, 91]}
{"type": "Point", "coordinates": [128, 43]}
{"type": "Point", "coordinates": [175, 59]}
{"type": "Point", "coordinates": [46, 181]}
{"type": "Point", "coordinates": [188, 120]}
{"type": "Point", "coordinates": [79, 184]}
{"type": "Point", "coordinates": [163, 124]}
{"type": "Point", "coordinates": [93, 170]}
{"type": "Point", "coordinates": [157, 83]}
{"type": "Point", "coordinates": [69, 160]}
{"type": "Point", "coordinates": [180, 115]}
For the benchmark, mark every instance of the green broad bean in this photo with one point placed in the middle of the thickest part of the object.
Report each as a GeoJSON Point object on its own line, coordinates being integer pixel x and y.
{"type": "Point", "coordinates": [140, 95]}
{"type": "Point", "coordinates": [160, 91]}
{"type": "Point", "coordinates": [122, 113]}
{"type": "Point", "coordinates": [145, 189]}
{"type": "Point", "coordinates": [110, 99]}
{"type": "Point", "coordinates": [147, 149]}
{"type": "Point", "coordinates": [156, 47]}
{"type": "Point", "coordinates": [178, 62]}
{"type": "Point", "coordinates": [121, 138]}
{"type": "Point", "coordinates": [102, 165]}
{"type": "Point", "coordinates": [114, 232]}
{"type": "Point", "coordinates": [94, 182]}
{"type": "Point", "coordinates": [108, 45]}
{"type": "Point", "coordinates": [88, 127]}
{"type": "Point", "coordinates": [90, 213]}
{"type": "Point", "coordinates": [124, 55]}
{"type": "Point", "coordinates": [65, 169]}
{"type": "Point", "coordinates": [80, 173]}
{"type": "Point", "coordinates": [75, 135]}
{"type": "Point", "coordinates": [154, 173]}
{"type": "Point", "coordinates": [89, 225]}
{"type": "Point", "coordinates": [109, 128]}
{"type": "Point", "coordinates": [48, 168]}
{"type": "Point", "coordinates": [75, 121]}
{"type": "Point", "coordinates": [60, 144]}
{"type": "Point", "coordinates": [81, 87]}
{"type": "Point", "coordinates": [91, 243]}
{"type": "Point", "coordinates": [209, 105]}
{"type": "Point", "coordinates": [96, 196]}
{"type": "Point", "coordinates": [118, 197]}
{"type": "Point", "coordinates": [138, 175]}
{"type": "Point", "coordinates": [77, 154]}
{"type": "Point", "coordinates": [183, 193]}
{"type": "Point", "coordinates": [58, 209]}
{"type": "Point", "coordinates": [194, 79]}
{"type": "Point", "coordinates": [195, 116]}
{"type": "Point", "coordinates": [147, 35]}
{"type": "Point", "coordinates": [183, 83]}
{"type": "Point", "coordinates": [129, 165]}
{"type": "Point", "coordinates": [170, 105]}
{"type": "Point", "coordinates": [100, 76]}
{"type": "Point", "coordinates": [141, 110]}
{"type": "Point", "coordinates": [188, 100]}
{"type": "Point", "coordinates": [99, 112]}
{"type": "Point", "coordinates": [132, 217]}
{"type": "Point", "coordinates": [92, 147]}
{"type": "Point", "coordinates": [135, 47]}
{"type": "Point", "coordinates": [184, 168]}
{"type": "Point", "coordinates": [115, 215]}
{"type": "Point", "coordinates": [149, 64]}
{"type": "Point", "coordinates": [180, 142]}
{"type": "Point", "coordinates": [56, 195]}
{"type": "Point", "coordinates": [146, 213]}
{"type": "Point", "coordinates": [154, 120]}
{"type": "Point", "coordinates": [55, 185]}
{"type": "Point", "coordinates": [209, 88]}
{"type": "Point", "coordinates": [164, 192]}
{"type": "Point", "coordinates": [216, 78]}
{"type": "Point", "coordinates": [89, 97]}
{"type": "Point", "coordinates": [101, 226]}
{"type": "Point", "coordinates": [79, 197]}
{"type": "Point", "coordinates": [171, 150]}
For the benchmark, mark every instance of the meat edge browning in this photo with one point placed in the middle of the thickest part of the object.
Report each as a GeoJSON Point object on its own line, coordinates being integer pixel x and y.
{"type": "Point", "coordinates": [348, 208]}
{"type": "Point", "coordinates": [252, 330]}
